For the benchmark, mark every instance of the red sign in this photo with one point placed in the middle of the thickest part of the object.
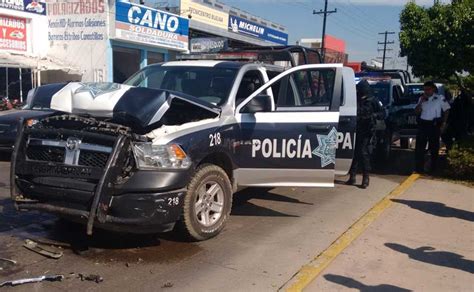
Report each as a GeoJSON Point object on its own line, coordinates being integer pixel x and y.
{"type": "Point", "coordinates": [12, 33]}
{"type": "Point", "coordinates": [334, 44]}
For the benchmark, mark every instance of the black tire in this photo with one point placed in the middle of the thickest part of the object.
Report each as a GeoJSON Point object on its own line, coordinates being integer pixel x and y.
{"type": "Point", "coordinates": [189, 225]}
{"type": "Point", "coordinates": [404, 143]}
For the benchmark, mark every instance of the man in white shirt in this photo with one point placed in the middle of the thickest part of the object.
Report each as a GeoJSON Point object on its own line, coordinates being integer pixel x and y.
{"type": "Point", "coordinates": [433, 112]}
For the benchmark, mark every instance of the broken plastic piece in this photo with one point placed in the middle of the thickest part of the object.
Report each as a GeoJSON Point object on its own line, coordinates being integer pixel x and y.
{"type": "Point", "coordinates": [42, 249]}
{"type": "Point", "coordinates": [6, 264]}
{"type": "Point", "coordinates": [91, 277]}
{"type": "Point", "coordinates": [50, 278]}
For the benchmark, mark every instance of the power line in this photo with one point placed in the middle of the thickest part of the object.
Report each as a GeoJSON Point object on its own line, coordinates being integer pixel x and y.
{"type": "Point", "coordinates": [385, 43]}
{"type": "Point", "coordinates": [325, 13]}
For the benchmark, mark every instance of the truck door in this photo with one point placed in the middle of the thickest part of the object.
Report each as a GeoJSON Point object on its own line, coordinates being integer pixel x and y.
{"type": "Point", "coordinates": [346, 135]}
{"type": "Point", "coordinates": [289, 129]}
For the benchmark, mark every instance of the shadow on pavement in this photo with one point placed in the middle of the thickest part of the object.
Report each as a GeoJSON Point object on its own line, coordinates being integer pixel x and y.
{"type": "Point", "coordinates": [10, 218]}
{"type": "Point", "coordinates": [242, 207]}
{"type": "Point", "coordinates": [437, 209]}
{"type": "Point", "coordinates": [401, 162]}
{"type": "Point", "coordinates": [354, 284]}
{"type": "Point", "coordinates": [427, 254]}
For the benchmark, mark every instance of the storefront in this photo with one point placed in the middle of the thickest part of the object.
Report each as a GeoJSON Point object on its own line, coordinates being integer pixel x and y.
{"type": "Point", "coordinates": [111, 40]}
{"type": "Point", "coordinates": [142, 35]}
{"type": "Point", "coordinates": [22, 24]}
{"type": "Point", "coordinates": [214, 25]}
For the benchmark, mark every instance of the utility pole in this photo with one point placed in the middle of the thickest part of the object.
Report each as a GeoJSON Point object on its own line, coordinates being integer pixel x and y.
{"type": "Point", "coordinates": [385, 43]}
{"type": "Point", "coordinates": [325, 13]}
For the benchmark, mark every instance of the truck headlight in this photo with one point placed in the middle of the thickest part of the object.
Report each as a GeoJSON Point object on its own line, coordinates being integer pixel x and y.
{"type": "Point", "coordinates": [149, 156]}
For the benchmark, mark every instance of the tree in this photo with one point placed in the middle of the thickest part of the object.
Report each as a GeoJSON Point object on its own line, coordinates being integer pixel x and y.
{"type": "Point", "coordinates": [439, 41]}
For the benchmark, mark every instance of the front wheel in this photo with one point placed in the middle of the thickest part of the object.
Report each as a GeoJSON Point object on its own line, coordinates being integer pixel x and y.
{"type": "Point", "coordinates": [207, 203]}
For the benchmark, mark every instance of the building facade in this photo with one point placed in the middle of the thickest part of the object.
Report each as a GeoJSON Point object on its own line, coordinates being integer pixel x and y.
{"type": "Point", "coordinates": [109, 40]}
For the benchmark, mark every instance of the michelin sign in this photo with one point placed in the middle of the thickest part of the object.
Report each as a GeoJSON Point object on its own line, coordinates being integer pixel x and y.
{"type": "Point", "coordinates": [145, 25]}
{"type": "Point", "coordinates": [243, 26]}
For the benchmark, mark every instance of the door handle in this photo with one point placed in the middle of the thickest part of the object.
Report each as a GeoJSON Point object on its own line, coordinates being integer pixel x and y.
{"type": "Point", "coordinates": [344, 120]}
{"type": "Point", "coordinates": [318, 128]}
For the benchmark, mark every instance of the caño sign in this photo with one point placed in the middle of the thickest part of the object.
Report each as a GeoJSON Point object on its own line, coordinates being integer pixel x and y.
{"type": "Point", "coordinates": [142, 24]}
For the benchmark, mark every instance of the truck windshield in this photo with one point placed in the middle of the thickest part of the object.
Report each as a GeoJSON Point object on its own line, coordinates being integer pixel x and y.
{"type": "Point", "coordinates": [414, 92]}
{"type": "Point", "coordinates": [382, 92]}
{"type": "Point", "coordinates": [207, 83]}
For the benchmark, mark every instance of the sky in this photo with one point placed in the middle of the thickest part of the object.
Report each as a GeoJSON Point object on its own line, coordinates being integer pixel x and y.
{"type": "Point", "coordinates": [358, 22]}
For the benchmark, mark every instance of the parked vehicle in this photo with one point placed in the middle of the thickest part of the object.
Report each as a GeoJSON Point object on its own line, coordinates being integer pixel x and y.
{"type": "Point", "coordinates": [37, 106]}
{"type": "Point", "coordinates": [168, 148]}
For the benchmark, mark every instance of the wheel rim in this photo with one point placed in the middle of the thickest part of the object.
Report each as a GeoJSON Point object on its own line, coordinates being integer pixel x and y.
{"type": "Point", "coordinates": [209, 203]}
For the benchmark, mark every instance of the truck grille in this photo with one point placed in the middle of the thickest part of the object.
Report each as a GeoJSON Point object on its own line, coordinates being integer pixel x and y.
{"type": "Point", "coordinates": [93, 159]}
{"type": "Point", "coordinates": [71, 152]}
{"type": "Point", "coordinates": [43, 153]}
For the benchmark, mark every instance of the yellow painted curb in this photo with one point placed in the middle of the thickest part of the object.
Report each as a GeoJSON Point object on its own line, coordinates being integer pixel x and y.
{"type": "Point", "coordinates": [310, 271]}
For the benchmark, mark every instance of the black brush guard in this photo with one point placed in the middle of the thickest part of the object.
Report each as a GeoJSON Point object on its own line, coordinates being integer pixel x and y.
{"type": "Point", "coordinates": [104, 178]}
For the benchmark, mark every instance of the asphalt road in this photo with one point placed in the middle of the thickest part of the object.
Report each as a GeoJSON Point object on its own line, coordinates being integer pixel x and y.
{"type": "Point", "coordinates": [270, 235]}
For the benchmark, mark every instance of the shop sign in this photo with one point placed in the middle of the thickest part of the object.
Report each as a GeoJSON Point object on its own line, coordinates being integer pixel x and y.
{"type": "Point", "coordinates": [243, 26]}
{"type": "Point", "coordinates": [208, 45]}
{"type": "Point", "coordinates": [12, 33]}
{"type": "Point", "coordinates": [76, 21]}
{"type": "Point", "coordinates": [204, 14]}
{"type": "Point", "coordinates": [142, 24]}
{"type": "Point", "coordinates": [32, 6]}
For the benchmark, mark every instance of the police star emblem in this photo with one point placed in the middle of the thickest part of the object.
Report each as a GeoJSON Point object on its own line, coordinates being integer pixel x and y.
{"type": "Point", "coordinates": [97, 88]}
{"type": "Point", "coordinates": [326, 149]}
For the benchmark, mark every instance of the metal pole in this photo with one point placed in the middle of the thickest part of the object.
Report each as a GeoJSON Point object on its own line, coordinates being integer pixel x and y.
{"type": "Point", "coordinates": [325, 14]}
{"type": "Point", "coordinates": [323, 53]}
{"type": "Point", "coordinates": [6, 81]}
{"type": "Point", "coordinates": [21, 85]}
{"type": "Point", "coordinates": [384, 50]}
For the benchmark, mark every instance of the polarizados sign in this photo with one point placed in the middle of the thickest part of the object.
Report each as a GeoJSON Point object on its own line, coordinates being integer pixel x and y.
{"type": "Point", "coordinates": [145, 25]}
{"type": "Point", "coordinates": [250, 28]}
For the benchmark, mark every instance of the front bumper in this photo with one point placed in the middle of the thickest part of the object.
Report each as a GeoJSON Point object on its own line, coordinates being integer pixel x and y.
{"type": "Point", "coordinates": [131, 212]}
{"type": "Point", "coordinates": [145, 202]}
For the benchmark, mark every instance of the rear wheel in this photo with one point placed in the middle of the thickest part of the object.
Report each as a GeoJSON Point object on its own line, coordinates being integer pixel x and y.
{"type": "Point", "coordinates": [207, 203]}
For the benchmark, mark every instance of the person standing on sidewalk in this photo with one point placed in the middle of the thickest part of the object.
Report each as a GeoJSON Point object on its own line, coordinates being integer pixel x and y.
{"type": "Point", "coordinates": [368, 109]}
{"type": "Point", "coordinates": [433, 110]}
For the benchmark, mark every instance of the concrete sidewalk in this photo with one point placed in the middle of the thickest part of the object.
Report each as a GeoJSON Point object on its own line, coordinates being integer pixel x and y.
{"type": "Point", "coordinates": [424, 242]}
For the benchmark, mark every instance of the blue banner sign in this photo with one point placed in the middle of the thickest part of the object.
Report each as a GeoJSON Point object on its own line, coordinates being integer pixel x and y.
{"type": "Point", "coordinates": [31, 6]}
{"type": "Point", "coordinates": [142, 24]}
{"type": "Point", "coordinates": [250, 28]}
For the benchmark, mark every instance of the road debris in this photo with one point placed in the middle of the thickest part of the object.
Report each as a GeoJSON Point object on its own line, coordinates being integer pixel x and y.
{"type": "Point", "coordinates": [51, 278]}
{"type": "Point", "coordinates": [91, 277]}
{"type": "Point", "coordinates": [167, 285]}
{"type": "Point", "coordinates": [47, 251]}
{"type": "Point", "coordinates": [6, 264]}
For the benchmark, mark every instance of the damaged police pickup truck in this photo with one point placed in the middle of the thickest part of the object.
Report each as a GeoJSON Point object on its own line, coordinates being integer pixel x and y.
{"type": "Point", "coordinates": [168, 148]}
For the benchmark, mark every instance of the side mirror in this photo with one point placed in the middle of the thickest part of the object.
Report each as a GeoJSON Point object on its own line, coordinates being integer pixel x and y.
{"type": "Point", "coordinates": [260, 103]}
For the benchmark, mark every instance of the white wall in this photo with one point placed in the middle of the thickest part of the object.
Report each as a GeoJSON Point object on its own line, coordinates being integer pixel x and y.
{"type": "Point", "coordinates": [78, 36]}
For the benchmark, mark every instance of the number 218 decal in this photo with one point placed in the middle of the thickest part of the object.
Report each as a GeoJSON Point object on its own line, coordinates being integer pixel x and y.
{"type": "Point", "coordinates": [215, 139]}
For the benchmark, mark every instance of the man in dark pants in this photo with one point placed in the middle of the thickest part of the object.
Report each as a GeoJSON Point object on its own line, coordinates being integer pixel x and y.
{"type": "Point", "coordinates": [433, 114]}
{"type": "Point", "coordinates": [368, 108]}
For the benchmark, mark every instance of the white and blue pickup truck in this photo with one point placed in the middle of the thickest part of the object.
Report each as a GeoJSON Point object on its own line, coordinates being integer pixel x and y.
{"type": "Point", "coordinates": [168, 148]}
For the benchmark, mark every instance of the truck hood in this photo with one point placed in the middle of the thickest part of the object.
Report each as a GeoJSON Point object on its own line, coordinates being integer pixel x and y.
{"type": "Point", "coordinates": [137, 107]}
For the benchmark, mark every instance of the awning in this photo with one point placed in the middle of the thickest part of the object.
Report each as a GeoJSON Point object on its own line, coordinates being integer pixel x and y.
{"type": "Point", "coordinates": [13, 60]}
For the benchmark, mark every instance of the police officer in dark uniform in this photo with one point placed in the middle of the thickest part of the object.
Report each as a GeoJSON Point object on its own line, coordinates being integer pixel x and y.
{"type": "Point", "coordinates": [369, 109]}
